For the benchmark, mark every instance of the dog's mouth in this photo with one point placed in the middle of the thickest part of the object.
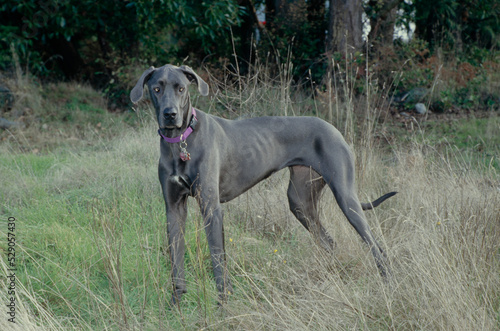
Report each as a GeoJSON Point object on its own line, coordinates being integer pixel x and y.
{"type": "Point", "coordinates": [170, 125]}
{"type": "Point", "coordinates": [165, 131]}
{"type": "Point", "coordinates": [167, 128]}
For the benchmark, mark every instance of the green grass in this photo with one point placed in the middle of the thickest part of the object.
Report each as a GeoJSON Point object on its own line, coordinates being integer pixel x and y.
{"type": "Point", "coordinates": [91, 231]}
{"type": "Point", "coordinates": [481, 134]}
{"type": "Point", "coordinates": [476, 140]}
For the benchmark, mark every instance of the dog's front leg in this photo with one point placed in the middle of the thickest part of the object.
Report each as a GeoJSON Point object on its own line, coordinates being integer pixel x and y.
{"type": "Point", "coordinates": [176, 225]}
{"type": "Point", "coordinates": [175, 195]}
{"type": "Point", "coordinates": [213, 217]}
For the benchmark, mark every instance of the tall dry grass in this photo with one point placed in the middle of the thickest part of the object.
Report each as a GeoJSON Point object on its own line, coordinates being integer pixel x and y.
{"type": "Point", "coordinates": [441, 233]}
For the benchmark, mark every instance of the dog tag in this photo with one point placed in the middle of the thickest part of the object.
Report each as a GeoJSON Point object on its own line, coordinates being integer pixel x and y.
{"type": "Point", "coordinates": [185, 156]}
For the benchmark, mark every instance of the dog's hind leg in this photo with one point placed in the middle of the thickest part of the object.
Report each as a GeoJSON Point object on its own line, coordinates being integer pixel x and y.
{"type": "Point", "coordinates": [304, 192]}
{"type": "Point", "coordinates": [341, 181]}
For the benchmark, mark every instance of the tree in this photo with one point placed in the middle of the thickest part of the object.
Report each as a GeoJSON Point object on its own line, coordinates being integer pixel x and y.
{"type": "Point", "coordinates": [436, 22]}
{"type": "Point", "coordinates": [246, 31]}
{"type": "Point", "coordinates": [345, 26]}
{"type": "Point", "coordinates": [92, 39]}
{"type": "Point", "coordinates": [295, 32]}
{"type": "Point", "coordinates": [455, 25]}
{"type": "Point", "coordinates": [382, 14]}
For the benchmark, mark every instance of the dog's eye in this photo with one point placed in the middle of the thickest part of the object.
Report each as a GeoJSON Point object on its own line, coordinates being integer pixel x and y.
{"type": "Point", "coordinates": [181, 89]}
{"type": "Point", "coordinates": [156, 89]}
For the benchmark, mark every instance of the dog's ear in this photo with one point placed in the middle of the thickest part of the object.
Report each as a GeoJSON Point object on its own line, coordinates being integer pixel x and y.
{"type": "Point", "coordinates": [194, 78]}
{"type": "Point", "coordinates": [138, 90]}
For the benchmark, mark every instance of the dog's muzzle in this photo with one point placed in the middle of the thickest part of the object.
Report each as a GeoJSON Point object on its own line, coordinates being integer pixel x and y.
{"type": "Point", "coordinates": [169, 119]}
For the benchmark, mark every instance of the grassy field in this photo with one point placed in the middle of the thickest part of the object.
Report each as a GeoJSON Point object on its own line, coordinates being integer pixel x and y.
{"type": "Point", "coordinates": [90, 225]}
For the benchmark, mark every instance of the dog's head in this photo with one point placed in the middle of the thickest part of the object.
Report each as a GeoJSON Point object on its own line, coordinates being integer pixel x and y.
{"type": "Point", "coordinates": [168, 89]}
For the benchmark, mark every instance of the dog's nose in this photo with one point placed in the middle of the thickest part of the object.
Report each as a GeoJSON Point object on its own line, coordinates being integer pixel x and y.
{"type": "Point", "coordinates": [169, 113]}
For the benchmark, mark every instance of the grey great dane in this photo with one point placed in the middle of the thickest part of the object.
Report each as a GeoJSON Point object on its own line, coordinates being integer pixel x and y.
{"type": "Point", "coordinates": [215, 160]}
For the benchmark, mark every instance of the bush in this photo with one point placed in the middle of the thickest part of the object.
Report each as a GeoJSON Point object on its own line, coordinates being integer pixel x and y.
{"type": "Point", "coordinates": [89, 40]}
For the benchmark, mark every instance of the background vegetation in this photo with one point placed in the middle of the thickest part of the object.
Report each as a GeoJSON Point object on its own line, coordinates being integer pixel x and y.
{"type": "Point", "coordinates": [103, 42]}
{"type": "Point", "coordinates": [81, 179]}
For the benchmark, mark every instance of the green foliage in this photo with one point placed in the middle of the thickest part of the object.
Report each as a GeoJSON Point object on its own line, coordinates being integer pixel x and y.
{"type": "Point", "coordinates": [45, 33]}
{"type": "Point", "coordinates": [436, 21]}
{"type": "Point", "coordinates": [296, 36]}
{"type": "Point", "coordinates": [481, 20]}
{"type": "Point", "coordinates": [92, 40]}
{"type": "Point", "coordinates": [463, 82]}
{"type": "Point", "coordinates": [454, 24]}
{"type": "Point", "coordinates": [413, 54]}
{"type": "Point", "coordinates": [104, 42]}
{"type": "Point", "coordinates": [188, 27]}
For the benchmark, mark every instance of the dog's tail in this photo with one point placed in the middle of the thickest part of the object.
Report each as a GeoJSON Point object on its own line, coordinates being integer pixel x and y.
{"type": "Point", "coordinates": [373, 204]}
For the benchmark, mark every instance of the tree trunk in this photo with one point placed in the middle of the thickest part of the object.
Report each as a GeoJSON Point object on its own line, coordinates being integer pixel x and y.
{"type": "Point", "coordinates": [246, 31]}
{"type": "Point", "coordinates": [345, 27]}
{"type": "Point", "coordinates": [382, 20]}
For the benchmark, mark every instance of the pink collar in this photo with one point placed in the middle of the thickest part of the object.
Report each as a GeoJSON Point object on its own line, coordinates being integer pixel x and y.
{"type": "Point", "coordinates": [186, 133]}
